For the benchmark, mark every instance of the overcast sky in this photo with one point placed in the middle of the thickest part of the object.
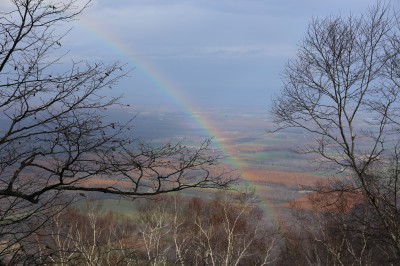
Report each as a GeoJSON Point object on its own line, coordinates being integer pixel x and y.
{"type": "Point", "coordinates": [204, 52]}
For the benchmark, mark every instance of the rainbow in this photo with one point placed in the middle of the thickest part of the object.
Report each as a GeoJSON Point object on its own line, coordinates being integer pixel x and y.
{"type": "Point", "coordinates": [172, 90]}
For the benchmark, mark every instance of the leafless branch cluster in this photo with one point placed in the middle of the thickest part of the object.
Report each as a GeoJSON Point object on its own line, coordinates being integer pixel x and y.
{"type": "Point", "coordinates": [343, 88]}
{"type": "Point", "coordinates": [170, 230]}
{"type": "Point", "coordinates": [54, 133]}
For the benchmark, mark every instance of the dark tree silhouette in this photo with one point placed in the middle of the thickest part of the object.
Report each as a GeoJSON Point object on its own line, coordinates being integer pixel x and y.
{"type": "Point", "coordinates": [54, 135]}
{"type": "Point", "coordinates": [343, 88]}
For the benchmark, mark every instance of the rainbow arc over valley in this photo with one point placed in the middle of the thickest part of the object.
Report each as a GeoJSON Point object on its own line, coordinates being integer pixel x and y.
{"type": "Point", "coordinates": [173, 91]}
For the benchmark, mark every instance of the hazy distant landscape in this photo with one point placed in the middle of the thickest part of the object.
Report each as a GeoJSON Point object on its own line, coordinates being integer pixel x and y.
{"type": "Point", "coordinates": [265, 161]}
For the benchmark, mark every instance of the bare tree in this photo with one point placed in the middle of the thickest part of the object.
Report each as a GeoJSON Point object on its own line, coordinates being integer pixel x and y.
{"type": "Point", "coordinates": [230, 231]}
{"type": "Point", "coordinates": [154, 227]}
{"type": "Point", "coordinates": [343, 88]}
{"type": "Point", "coordinates": [332, 230]}
{"type": "Point", "coordinates": [54, 135]}
{"type": "Point", "coordinates": [86, 236]}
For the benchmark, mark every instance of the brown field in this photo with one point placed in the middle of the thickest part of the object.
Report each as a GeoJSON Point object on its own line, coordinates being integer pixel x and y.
{"type": "Point", "coordinates": [280, 177]}
{"type": "Point", "coordinates": [93, 182]}
{"type": "Point", "coordinates": [252, 149]}
{"type": "Point", "coordinates": [342, 202]}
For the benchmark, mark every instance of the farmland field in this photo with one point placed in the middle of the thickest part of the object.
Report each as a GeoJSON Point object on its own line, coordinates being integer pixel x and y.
{"type": "Point", "coordinates": [266, 162]}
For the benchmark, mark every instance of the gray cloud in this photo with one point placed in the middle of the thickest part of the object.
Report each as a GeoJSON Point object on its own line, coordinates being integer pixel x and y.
{"type": "Point", "coordinates": [199, 44]}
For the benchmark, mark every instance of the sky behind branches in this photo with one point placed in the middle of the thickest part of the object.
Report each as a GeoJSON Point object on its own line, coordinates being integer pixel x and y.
{"type": "Point", "coordinates": [208, 53]}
